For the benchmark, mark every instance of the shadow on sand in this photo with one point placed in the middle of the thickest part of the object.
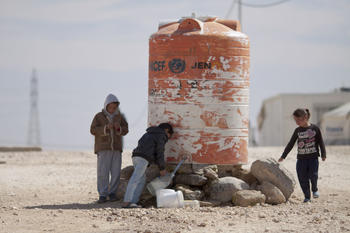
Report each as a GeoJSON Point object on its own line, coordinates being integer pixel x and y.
{"type": "Point", "coordinates": [77, 206]}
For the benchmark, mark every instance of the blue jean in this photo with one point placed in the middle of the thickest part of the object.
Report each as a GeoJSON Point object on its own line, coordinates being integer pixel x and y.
{"type": "Point", "coordinates": [307, 170]}
{"type": "Point", "coordinates": [108, 172]}
{"type": "Point", "coordinates": [137, 180]}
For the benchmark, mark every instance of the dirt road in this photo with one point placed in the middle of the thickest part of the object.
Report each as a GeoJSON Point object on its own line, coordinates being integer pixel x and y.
{"type": "Point", "coordinates": [55, 191]}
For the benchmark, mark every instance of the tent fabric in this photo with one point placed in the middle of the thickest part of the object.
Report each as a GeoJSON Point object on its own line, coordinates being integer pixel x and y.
{"type": "Point", "coordinates": [335, 126]}
{"type": "Point", "coordinates": [343, 110]}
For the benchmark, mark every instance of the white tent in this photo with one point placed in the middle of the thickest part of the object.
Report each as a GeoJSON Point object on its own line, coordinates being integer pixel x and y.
{"type": "Point", "coordinates": [335, 126]}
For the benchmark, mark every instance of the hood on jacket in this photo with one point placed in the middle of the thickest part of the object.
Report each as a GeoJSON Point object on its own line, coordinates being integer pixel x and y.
{"type": "Point", "coordinates": [110, 99]}
{"type": "Point", "coordinates": [156, 130]}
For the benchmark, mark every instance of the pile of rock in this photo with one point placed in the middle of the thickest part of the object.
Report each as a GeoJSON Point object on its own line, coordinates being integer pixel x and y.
{"type": "Point", "coordinates": [266, 182]}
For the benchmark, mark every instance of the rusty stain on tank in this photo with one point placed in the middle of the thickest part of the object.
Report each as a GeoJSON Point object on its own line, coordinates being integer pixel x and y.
{"type": "Point", "coordinates": [199, 82]}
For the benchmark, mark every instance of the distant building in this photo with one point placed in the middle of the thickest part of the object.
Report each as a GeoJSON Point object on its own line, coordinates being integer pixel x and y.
{"type": "Point", "coordinates": [335, 126]}
{"type": "Point", "coordinates": [275, 120]}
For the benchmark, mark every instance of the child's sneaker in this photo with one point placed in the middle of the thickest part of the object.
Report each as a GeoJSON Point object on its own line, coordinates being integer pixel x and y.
{"type": "Point", "coordinates": [307, 200]}
{"type": "Point", "coordinates": [131, 205]}
{"type": "Point", "coordinates": [101, 200]}
{"type": "Point", "coordinates": [112, 197]}
{"type": "Point", "coordinates": [316, 194]}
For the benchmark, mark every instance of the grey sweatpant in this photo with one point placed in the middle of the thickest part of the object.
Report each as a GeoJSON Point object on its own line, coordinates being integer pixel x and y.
{"type": "Point", "coordinates": [108, 165]}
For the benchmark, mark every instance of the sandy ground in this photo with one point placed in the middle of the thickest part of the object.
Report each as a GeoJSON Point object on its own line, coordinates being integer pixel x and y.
{"type": "Point", "coordinates": [55, 191]}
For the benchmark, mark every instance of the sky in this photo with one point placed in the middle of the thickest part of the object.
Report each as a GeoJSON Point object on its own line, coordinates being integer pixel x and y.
{"type": "Point", "coordinates": [85, 49]}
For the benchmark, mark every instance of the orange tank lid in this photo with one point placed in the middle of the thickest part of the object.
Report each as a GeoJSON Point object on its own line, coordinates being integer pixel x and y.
{"type": "Point", "coordinates": [208, 25]}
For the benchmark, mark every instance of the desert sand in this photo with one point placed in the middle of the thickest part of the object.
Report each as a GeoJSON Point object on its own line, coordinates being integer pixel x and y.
{"type": "Point", "coordinates": [55, 191]}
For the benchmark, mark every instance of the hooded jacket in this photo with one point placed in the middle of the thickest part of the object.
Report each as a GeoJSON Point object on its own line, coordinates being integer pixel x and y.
{"type": "Point", "coordinates": [109, 139]}
{"type": "Point", "coordinates": [151, 146]}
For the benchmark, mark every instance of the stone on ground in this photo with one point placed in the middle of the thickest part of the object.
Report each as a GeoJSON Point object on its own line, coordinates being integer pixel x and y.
{"type": "Point", "coordinates": [273, 195]}
{"type": "Point", "coordinates": [246, 198]}
{"type": "Point", "coordinates": [190, 194]}
{"type": "Point", "coordinates": [210, 173]}
{"type": "Point", "coordinates": [275, 173]}
{"type": "Point", "coordinates": [227, 169]}
{"type": "Point", "coordinates": [245, 175]}
{"type": "Point", "coordinates": [123, 183]}
{"type": "Point", "coordinates": [126, 172]}
{"type": "Point", "coordinates": [223, 188]}
{"type": "Point", "coordinates": [191, 179]}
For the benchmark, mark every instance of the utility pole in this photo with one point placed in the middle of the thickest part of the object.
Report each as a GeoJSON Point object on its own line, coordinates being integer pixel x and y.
{"type": "Point", "coordinates": [33, 129]}
{"type": "Point", "coordinates": [240, 13]}
{"type": "Point", "coordinates": [240, 4]}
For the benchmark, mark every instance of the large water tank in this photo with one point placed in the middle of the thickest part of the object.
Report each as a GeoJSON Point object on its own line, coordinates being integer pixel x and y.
{"type": "Point", "coordinates": [199, 82]}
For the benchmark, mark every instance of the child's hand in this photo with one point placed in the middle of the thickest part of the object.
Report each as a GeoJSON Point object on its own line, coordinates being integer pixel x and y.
{"type": "Point", "coordinates": [280, 159]}
{"type": "Point", "coordinates": [323, 158]}
{"type": "Point", "coordinates": [116, 125]}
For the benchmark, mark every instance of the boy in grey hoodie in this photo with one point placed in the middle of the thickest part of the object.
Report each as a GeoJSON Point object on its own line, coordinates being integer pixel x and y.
{"type": "Point", "coordinates": [108, 127]}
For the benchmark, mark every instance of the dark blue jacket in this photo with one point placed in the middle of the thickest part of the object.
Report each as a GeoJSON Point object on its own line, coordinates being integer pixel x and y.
{"type": "Point", "coordinates": [151, 146]}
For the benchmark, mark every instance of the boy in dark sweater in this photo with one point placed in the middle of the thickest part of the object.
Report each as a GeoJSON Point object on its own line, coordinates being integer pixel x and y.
{"type": "Point", "coordinates": [150, 149]}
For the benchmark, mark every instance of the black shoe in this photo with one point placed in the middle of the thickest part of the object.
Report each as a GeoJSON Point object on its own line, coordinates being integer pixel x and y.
{"type": "Point", "coordinates": [101, 200]}
{"type": "Point", "coordinates": [112, 197]}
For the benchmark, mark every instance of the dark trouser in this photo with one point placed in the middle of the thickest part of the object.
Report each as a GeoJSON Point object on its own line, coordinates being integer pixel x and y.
{"type": "Point", "coordinates": [307, 170]}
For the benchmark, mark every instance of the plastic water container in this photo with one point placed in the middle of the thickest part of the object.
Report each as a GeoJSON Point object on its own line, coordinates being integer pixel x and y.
{"type": "Point", "coordinates": [192, 204]}
{"type": "Point", "coordinates": [168, 198]}
{"type": "Point", "coordinates": [159, 183]}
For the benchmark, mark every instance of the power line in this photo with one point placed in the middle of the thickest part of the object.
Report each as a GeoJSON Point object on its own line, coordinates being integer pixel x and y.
{"type": "Point", "coordinates": [241, 3]}
{"type": "Point", "coordinates": [264, 5]}
{"type": "Point", "coordinates": [232, 7]}
{"type": "Point", "coordinates": [240, 13]}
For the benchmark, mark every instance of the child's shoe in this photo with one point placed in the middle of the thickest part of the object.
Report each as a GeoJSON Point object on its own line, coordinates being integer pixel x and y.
{"type": "Point", "coordinates": [316, 194]}
{"type": "Point", "coordinates": [101, 200]}
{"type": "Point", "coordinates": [112, 197]}
{"type": "Point", "coordinates": [306, 200]}
{"type": "Point", "coordinates": [130, 205]}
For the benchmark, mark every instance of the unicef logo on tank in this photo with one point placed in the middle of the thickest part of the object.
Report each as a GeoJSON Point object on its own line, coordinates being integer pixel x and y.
{"type": "Point", "coordinates": [177, 65]}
